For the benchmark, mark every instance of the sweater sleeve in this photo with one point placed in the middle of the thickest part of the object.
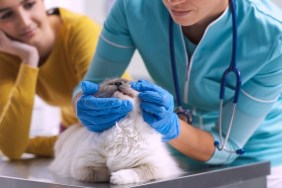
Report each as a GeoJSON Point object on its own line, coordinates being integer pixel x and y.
{"type": "Point", "coordinates": [16, 104]}
{"type": "Point", "coordinates": [42, 145]}
{"type": "Point", "coordinates": [82, 44]}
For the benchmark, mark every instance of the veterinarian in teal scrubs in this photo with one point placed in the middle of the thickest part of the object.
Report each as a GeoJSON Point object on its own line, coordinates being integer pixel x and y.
{"type": "Point", "coordinates": [202, 40]}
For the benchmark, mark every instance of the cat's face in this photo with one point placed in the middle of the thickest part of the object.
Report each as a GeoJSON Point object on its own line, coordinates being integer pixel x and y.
{"type": "Point", "coordinates": [117, 88]}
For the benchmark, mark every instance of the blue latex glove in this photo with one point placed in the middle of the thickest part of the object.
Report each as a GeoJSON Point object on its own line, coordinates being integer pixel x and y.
{"type": "Point", "coordinates": [157, 106]}
{"type": "Point", "coordinates": [99, 114]}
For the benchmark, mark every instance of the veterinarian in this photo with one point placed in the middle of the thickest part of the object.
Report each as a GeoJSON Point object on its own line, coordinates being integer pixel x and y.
{"type": "Point", "coordinates": [202, 40]}
{"type": "Point", "coordinates": [41, 53]}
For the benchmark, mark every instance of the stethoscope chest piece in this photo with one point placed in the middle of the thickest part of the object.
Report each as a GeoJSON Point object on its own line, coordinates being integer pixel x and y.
{"type": "Point", "coordinates": [185, 115]}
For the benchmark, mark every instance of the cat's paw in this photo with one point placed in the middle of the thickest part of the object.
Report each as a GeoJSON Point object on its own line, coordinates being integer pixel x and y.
{"type": "Point", "coordinates": [125, 176]}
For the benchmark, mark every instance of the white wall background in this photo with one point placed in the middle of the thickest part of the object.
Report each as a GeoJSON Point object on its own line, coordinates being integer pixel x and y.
{"type": "Point", "coordinates": [75, 5]}
{"type": "Point", "coordinates": [45, 119]}
{"type": "Point", "coordinates": [279, 2]}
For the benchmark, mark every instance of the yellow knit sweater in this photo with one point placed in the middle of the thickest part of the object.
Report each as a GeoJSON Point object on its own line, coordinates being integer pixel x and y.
{"type": "Point", "coordinates": [54, 82]}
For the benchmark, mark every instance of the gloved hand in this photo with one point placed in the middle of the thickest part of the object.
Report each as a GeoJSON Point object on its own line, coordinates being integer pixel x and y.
{"type": "Point", "coordinates": [157, 106]}
{"type": "Point", "coordinates": [99, 114]}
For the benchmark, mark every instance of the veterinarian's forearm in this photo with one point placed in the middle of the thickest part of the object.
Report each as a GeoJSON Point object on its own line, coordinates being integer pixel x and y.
{"type": "Point", "coordinates": [194, 142]}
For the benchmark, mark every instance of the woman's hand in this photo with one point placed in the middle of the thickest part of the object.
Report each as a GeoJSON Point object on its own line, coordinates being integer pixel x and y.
{"type": "Point", "coordinates": [157, 106]}
{"type": "Point", "coordinates": [99, 114]}
{"type": "Point", "coordinates": [27, 53]}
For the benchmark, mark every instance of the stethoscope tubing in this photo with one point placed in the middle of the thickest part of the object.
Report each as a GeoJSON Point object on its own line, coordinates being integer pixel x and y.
{"type": "Point", "coordinates": [231, 69]}
{"type": "Point", "coordinates": [183, 114]}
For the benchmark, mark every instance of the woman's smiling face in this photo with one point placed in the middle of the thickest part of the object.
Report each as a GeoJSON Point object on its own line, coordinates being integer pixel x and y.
{"type": "Point", "coordinates": [23, 20]}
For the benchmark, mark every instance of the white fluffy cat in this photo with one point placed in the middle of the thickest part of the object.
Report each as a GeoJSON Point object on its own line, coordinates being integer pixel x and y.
{"type": "Point", "coordinates": [129, 152]}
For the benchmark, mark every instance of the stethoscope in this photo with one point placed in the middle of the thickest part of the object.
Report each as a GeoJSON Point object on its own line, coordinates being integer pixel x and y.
{"type": "Point", "coordinates": [185, 114]}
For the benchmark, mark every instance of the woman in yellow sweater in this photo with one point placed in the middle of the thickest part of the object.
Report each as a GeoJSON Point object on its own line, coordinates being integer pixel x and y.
{"type": "Point", "coordinates": [40, 53]}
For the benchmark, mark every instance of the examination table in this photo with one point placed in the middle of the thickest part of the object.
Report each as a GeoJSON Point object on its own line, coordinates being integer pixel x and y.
{"type": "Point", "coordinates": [34, 173]}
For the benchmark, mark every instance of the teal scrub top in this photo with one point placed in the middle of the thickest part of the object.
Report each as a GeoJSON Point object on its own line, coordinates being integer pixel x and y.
{"type": "Point", "coordinates": [257, 126]}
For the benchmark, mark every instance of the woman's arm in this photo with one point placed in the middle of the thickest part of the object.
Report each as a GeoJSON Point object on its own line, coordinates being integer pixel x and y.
{"type": "Point", "coordinates": [17, 86]}
{"type": "Point", "coordinates": [194, 142]}
{"type": "Point", "coordinates": [16, 99]}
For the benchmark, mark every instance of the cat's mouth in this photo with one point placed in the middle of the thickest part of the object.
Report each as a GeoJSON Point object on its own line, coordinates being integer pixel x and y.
{"type": "Point", "coordinates": [119, 88]}
{"type": "Point", "coordinates": [125, 92]}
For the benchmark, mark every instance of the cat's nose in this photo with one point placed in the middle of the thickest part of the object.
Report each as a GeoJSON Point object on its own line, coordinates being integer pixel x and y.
{"type": "Point", "coordinates": [118, 84]}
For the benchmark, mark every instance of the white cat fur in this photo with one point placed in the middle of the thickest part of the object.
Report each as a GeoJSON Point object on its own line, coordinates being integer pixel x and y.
{"type": "Point", "coordinates": [129, 152]}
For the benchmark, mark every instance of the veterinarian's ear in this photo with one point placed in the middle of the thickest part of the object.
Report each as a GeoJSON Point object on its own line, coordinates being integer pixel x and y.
{"type": "Point", "coordinates": [89, 88]}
